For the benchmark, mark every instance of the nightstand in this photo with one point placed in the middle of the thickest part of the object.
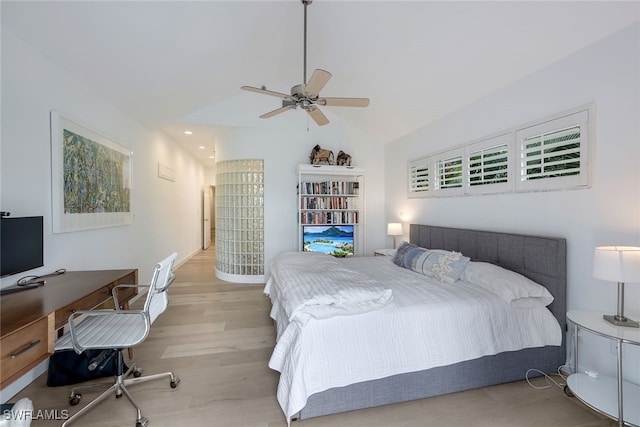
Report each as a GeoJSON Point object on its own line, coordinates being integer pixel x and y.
{"type": "Point", "coordinates": [384, 252]}
{"type": "Point", "coordinates": [603, 393]}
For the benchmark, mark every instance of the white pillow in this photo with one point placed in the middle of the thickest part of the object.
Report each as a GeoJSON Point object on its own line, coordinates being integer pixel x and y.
{"type": "Point", "coordinates": [512, 287]}
{"type": "Point", "coordinates": [386, 252]}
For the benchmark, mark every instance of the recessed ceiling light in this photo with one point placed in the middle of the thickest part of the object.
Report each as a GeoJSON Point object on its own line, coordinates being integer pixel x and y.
{"type": "Point", "coordinates": [202, 147]}
{"type": "Point", "coordinates": [188, 132]}
{"type": "Point", "coordinates": [212, 156]}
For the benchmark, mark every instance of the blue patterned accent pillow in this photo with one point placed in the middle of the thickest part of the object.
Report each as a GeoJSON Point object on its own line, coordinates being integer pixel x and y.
{"type": "Point", "coordinates": [442, 265]}
{"type": "Point", "coordinates": [398, 258]}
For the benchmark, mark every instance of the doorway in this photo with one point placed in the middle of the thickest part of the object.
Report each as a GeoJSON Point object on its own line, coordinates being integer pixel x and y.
{"type": "Point", "coordinates": [209, 216]}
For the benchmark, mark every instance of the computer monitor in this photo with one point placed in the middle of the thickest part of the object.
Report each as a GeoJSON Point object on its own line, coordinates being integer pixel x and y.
{"type": "Point", "coordinates": [21, 244]}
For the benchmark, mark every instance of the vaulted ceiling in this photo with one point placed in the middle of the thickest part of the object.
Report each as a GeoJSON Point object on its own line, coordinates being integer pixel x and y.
{"type": "Point", "coordinates": [172, 65]}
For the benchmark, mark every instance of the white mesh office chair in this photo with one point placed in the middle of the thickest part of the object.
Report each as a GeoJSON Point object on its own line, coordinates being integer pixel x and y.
{"type": "Point", "coordinates": [119, 329]}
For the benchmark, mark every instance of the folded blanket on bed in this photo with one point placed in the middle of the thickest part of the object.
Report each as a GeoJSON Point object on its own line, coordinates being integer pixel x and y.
{"type": "Point", "coordinates": [324, 288]}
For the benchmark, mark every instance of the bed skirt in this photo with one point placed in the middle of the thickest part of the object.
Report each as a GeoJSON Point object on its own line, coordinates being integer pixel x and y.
{"type": "Point", "coordinates": [489, 370]}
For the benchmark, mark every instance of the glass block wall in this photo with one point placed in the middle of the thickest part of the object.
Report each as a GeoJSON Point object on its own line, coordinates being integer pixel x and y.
{"type": "Point", "coordinates": [240, 220]}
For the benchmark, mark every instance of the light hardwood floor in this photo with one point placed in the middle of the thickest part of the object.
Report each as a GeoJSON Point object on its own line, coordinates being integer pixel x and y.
{"type": "Point", "coordinates": [217, 337]}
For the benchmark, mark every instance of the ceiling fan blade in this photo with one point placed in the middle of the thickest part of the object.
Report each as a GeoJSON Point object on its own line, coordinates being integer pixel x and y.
{"type": "Point", "coordinates": [318, 79]}
{"type": "Point", "coordinates": [344, 102]}
{"type": "Point", "coordinates": [277, 111]}
{"type": "Point", "coordinates": [264, 91]}
{"type": "Point", "coordinates": [317, 115]}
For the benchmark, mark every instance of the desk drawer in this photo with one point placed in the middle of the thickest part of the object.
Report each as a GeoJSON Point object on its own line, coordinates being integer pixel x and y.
{"type": "Point", "coordinates": [24, 349]}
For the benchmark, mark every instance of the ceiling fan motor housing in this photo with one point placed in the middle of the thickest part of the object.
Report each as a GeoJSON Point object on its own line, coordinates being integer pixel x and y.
{"type": "Point", "coordinates": [298, 90]}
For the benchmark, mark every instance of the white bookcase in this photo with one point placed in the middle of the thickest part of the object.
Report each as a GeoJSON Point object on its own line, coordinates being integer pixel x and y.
{"type": "Point", "coordinates": [331, 196]}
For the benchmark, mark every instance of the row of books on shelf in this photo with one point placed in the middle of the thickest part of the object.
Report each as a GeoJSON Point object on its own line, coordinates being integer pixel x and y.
{"type": "Point", "coordinates": [327, 203]}
{"type": "Point", "coordinates": [330, 187]}
{"type": "Point", "coordinates": [331, 217]}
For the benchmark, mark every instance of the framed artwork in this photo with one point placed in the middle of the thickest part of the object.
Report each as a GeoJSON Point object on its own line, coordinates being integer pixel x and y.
{"type": "Point", "coordinates": [90, 176]}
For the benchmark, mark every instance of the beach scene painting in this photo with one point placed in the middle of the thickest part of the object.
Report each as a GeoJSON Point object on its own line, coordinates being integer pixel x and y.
{"type": "Point", "coordinates": [336, 240]}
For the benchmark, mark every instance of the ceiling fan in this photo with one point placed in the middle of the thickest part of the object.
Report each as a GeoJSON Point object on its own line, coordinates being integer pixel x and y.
{"type": "Point", "coordinates": [307, 95]}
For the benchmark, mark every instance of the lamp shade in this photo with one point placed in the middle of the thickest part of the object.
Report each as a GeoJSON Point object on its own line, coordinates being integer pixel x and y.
{"type": "Point", "coordinates": [617, 263]}
{"type": "Point", "coordinates": [394, 229]}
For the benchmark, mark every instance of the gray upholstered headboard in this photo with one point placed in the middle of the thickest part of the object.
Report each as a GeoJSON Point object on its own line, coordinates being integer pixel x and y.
{"type": "Point", "coordinates": [542, 259]}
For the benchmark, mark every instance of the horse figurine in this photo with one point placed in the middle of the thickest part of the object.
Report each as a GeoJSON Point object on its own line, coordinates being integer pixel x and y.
{"type": "Point", "coordinates": [343, 159]}
{"type": "Point", "coordinates": [320, 156]}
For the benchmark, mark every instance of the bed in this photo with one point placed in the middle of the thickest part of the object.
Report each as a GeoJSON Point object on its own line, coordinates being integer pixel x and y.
{"type": "Point", "coordinates": [345, 373]}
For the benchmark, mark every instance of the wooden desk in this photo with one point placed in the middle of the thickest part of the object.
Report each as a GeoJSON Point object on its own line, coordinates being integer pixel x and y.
{"type": "Point", "coordinates": [29, 319]}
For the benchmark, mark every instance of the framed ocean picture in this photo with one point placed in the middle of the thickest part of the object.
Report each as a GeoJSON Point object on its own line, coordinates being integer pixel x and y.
{"type": "Point", "coordinates": [90, 176]}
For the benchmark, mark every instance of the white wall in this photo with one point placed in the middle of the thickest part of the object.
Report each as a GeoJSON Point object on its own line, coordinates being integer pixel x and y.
{"type": "Point", "coordinates": [608, 213]}
{"type": "Point", "coordinates": [167, 215]}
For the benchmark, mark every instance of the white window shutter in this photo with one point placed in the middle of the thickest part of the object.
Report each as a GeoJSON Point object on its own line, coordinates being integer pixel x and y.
{"type": "Point", "coordinates": [419, 180]}
{"type": "Point", "coordinates": [489, 165]}
{"type": "Point", "coordinates": [554, 154]}
{"type": "Point", "coordinates": [449, 173]}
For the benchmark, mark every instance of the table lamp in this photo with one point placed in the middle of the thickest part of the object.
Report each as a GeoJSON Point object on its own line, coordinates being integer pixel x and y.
{"type": "Point", "coordinates": [394, 229]}
{"type": "Point", "coordinates": [621, 264]}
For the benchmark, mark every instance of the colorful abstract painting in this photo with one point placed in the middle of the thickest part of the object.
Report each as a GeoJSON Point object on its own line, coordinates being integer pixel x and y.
{"type": "Point", "coordinates": [91, 178]}
{"type": "Point", "coordinates": [96, 178]}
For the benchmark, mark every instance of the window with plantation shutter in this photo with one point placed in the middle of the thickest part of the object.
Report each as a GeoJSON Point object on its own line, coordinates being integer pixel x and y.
{"type": "Point", "coordinates": [449, 172]}
{"type": "Point", "coordinates": [550, 154]}
{"type": "Point", "coordinates": [488, 165]}
{"type": "Point", "coordinates": [419, 178]}
{"type": "Point", "coordinates": [553, 155]}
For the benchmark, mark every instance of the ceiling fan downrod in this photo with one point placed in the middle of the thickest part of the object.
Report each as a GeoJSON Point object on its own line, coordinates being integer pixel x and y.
{"type": "Point", "coordinates": [304, 59]}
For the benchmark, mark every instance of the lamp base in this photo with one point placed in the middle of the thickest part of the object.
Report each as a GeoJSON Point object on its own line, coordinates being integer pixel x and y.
{"type": "Point", "coordinates": [621, 321]}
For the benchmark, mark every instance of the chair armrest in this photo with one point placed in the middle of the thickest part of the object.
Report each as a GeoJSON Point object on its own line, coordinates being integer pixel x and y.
{"type": "Point", "coordinates": [172, 278]}
{"type": "Point", "coordinates": [114, 293]}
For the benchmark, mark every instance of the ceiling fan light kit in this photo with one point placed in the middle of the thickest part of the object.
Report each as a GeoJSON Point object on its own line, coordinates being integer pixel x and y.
{"type": "Point", "coordinates": [307, 95]}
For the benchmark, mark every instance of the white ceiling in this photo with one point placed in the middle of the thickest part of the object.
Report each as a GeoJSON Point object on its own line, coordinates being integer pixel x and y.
{"type": "Point", "coordinates": [173, 65]}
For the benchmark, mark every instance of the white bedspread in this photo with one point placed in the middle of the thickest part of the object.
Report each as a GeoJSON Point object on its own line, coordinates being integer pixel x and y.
{"type": "Point", "coordinates": [313, 285]}
{"type": "Point", "coordinates": [427, 324]}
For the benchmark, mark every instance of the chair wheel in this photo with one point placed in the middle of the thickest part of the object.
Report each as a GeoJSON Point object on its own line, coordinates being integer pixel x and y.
{"type": "Point", "coordinates": [174, 383]}
{"type": "Point", "coordinates": [137, 373]}
{"type": "Point", "coordinates": [75, 399]}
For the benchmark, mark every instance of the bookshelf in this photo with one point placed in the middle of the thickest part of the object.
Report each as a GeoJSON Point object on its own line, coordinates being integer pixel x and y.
{"type": "Point", "coordinates": [331, 196]}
